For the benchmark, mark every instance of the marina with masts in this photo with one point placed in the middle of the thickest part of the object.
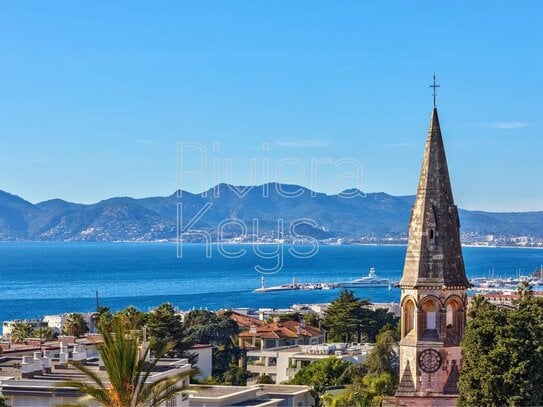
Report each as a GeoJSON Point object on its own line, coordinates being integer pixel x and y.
{"type": "Point", "coordinates": [480, 284]}
{"type": "Point", "coordinates": [493, 283]}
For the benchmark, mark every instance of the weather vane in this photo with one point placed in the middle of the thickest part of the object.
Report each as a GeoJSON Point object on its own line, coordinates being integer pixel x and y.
{"type": "Point", "coordinates": [434, 86]}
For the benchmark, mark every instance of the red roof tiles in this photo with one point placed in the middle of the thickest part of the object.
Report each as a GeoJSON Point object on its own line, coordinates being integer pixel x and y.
{"type": "Point", "coordinates": [279, 330]}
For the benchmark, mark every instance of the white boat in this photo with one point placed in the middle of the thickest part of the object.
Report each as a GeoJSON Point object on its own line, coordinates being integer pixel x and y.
{"type": "Point", "coordinates": [370, 281]}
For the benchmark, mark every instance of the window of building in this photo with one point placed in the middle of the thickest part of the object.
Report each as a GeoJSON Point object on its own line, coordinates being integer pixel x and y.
{"type": "Point", "coordinates": [453, 321]}
{"type": "Point", "coordinates": [450, 316]}
{"type": "Point", "coordinates": [429, 321]}
{"type": "Point", "coordinates": [408, 316]}
{"type": "Point", "coordinates": [431, 312]}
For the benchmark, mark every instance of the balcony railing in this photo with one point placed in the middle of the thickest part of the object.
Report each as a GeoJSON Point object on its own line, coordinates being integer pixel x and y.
{"type": "Point", "coordinates": [261, 369]}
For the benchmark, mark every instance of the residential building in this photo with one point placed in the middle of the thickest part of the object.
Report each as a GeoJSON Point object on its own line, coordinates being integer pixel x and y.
{"type": "Point", "coordinates": [260, 395]}
{"type": "Point", "coordinates": [505, 299]}
{"type": "Point", "coordinates": [279, 333]}
{"type": "Point", "coordinates": [282, 363]}
{"type": "Point", "coordinates": [244, 321]}
{"type": "Point", "coordinates": [316, 309]}
{"type": "Point", "coordinates": [56, 322]}
{"type": "Point", "coordinates": [31, 378]}
{"type": "Point", "coordinates": [204, 360]}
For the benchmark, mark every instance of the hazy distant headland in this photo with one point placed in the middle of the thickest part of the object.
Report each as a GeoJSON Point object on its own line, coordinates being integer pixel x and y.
{"type": "Point", "coordinates": [264, 213]}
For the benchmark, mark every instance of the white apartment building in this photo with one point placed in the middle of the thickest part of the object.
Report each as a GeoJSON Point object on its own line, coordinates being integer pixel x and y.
{"type": "Point", "coordinates": [30, 379]}
{"type": "Point", "coordinates": [282, 363]}
{"type": "Point", "coordinates": [260, 395]}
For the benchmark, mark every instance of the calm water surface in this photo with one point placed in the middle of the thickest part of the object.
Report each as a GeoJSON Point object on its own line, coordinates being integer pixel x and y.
{"type": "Point", "coordinates": [45, 278]}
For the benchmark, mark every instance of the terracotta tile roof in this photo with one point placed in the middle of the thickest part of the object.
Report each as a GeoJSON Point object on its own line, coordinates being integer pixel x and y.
{"type": "Point", "coordinates": [244, 321]}
{"type": "Point", "coordinates": [306, 330]}
{"type": "Point", "coordinates": [280, 330]}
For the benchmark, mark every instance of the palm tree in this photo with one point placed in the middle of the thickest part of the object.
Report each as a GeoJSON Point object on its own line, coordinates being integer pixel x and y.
{"type": "Point", "coordinates": [476, 303]}
{"type": "Point", "coordinates": [20, 331]}
{"type": "Point", "coordinates": [102, 312]}
{"type": "Point", "coordinates": [130, 317]}
{"type": "Point", "coordinates": [75, 325]}
{"type": "Point", "coordinates": [45, 333]}
{"type": "Point", "coordinates": [525, 290]}
{"type": "Point", "coordinates": [128, 372]}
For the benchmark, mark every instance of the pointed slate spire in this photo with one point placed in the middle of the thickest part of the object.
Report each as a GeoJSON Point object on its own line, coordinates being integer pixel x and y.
{"type": "Point", "coordinates": [434, 255]}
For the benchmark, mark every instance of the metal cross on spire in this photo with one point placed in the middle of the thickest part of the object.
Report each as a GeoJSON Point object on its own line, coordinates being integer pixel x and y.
{"type": "Point", "coordinates": [434, 86]}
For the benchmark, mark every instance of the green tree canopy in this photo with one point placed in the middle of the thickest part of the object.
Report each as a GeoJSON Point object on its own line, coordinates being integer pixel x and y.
{"type": "Point", "coordinates": [377, 377]}
{"type": "Point", "coordinates": [207, 327]}
{"type": "Point", "coordinates": [343, 317]}
{"type": "Point", "coordinates": [322, 374]}
{"type": "Point", "coordinates": [375, 321]}
{"type": "Point", "coordinates": [525, 290]}
{"type": "Point", "coordinates": [383, 358]}
{"type": "Point", "coordinates": [265, 379]}
{"type": "Point", "coordinates": [102, 316]}
{"type": "Point", "coordinates": [367, 391]}
{"type": "Point", "coordinates": [503, 354]}
{"type": "Point", "coordinates": [218, 330]}
{"type": "Point", "coordinates": [165, 326]}
{"type": "Point", "coordinates": [46, 333]}
{"type": "Point", "coordinates": [348, 319]}
{"type": "Point", "coordinates": [131, 318]}
{"type": "Point", "coordinates": [235, 376]}
{"type": "Point", "coordinates": [20, 331]}
{"type": "Point", "coordinates": [311, 319]}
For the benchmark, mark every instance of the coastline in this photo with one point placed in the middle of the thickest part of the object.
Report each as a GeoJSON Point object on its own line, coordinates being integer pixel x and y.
{"type": "Point", "coordinates": [52, 277]}
{"type": "Point", "coordinates": [469, 245]}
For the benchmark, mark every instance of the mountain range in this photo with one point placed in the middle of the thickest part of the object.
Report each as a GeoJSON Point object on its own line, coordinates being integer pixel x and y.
{"type": "Point", "coordinates": [378, 215]}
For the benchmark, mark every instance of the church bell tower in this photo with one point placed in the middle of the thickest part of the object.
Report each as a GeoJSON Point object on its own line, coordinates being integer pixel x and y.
{"type": "Point", "coordinates": [434, 284]}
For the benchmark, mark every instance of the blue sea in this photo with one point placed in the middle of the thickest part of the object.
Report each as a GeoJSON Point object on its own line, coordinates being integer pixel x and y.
{"type": "Point", "coordinates": [37, 279]}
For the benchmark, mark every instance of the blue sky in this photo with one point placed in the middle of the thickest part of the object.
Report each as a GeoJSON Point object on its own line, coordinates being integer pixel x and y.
{"type": "Point", "coordinates": [96, 95]}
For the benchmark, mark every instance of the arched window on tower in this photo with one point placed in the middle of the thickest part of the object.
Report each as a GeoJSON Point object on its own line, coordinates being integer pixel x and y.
{"type": "Point", "coordinates": [408, 317]}
{"type": "Point", "coordinates": [431, 313]}
{"type": "Point", "coordinates": [454, 320]}
{"type": "Point", "coordinates": [430, 309]}
{"type": "Point", "coordinates": [449, 323]}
